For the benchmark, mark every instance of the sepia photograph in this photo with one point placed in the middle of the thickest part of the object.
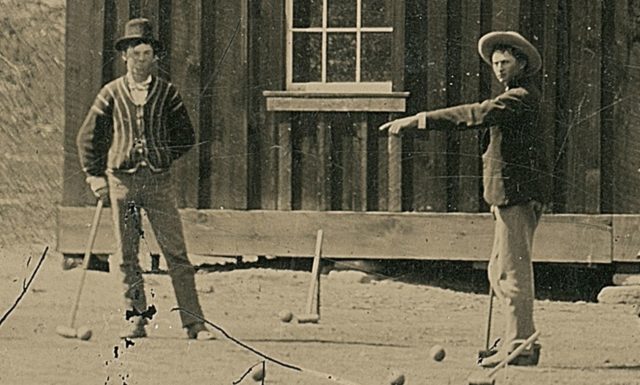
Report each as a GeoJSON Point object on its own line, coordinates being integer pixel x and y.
{"type": "Point", "coordinates": [318, 192]}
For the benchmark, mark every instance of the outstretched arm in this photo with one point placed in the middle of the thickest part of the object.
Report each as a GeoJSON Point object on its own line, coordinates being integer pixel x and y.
{"type": "Point", "coordinates": [466, 116]}
{"type": "Point", "coordinates": [395, 127]}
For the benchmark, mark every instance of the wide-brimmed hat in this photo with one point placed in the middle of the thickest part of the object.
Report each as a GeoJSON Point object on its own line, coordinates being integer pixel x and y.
{"type": "Point", "coordinates": [487, 43]}
{"type": "Point", "coordinates": [139, 30]}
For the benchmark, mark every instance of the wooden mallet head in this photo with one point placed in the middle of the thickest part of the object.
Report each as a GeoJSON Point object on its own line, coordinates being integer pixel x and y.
{"type": "Point", "coordinates": [481, 379]}
{"type": "Point", "coordinates": [308, 319]}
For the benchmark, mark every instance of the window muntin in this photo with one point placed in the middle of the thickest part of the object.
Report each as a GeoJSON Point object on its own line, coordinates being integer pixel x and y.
{"type": "Point", "coordinates": [339, 45]}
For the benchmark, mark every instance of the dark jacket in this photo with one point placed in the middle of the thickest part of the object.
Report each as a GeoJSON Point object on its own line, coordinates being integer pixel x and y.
{"type": "Point", "coordinates": [511, 160]}
{"type": "Point", "coordinates": [114, 138]}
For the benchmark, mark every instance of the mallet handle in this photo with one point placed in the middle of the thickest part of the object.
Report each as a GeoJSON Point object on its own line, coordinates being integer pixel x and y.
{"type": "Point", "coordinates": [314, 284]}
{"type": "Point", "coordinates": [85, 262]}
{"type": "Point", "coordinates": [489, 316]}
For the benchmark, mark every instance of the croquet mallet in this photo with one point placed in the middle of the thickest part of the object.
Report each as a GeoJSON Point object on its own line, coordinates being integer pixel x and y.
{"type": "Point", "coordinates": [488, 378]}
{"type": "Point", "coordinates": [313, 296]}
{"type": "Point", "coordinates": [488, 350]}
{"type": "Point", "coordinates": [71, 331]}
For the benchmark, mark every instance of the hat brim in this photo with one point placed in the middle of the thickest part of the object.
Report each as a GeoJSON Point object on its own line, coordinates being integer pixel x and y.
{"type": "Point", "coordinates": [122, 43]}
{"type": "Point", "coordinates": [487, 43]}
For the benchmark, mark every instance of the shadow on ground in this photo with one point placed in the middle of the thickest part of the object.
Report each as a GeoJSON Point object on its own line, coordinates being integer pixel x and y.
{"type": "Point", "coordinates": [558, 282]}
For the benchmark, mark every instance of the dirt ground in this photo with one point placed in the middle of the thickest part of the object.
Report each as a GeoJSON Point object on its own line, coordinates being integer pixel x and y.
{"type": "Point", "coordinates": [369, 327]}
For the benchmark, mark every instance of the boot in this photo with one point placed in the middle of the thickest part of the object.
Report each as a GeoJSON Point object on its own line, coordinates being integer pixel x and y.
{"type": "Point", "coordinates": [528, 357]}
{"type": "Point", "coordinates": [199, 332]}
{"type": "Point", "coordinates": [134, 329]}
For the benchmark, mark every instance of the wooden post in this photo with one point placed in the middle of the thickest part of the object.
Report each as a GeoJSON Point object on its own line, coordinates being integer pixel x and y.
{"type": "Point", "coordinates": [360, 139]}
{"type": "Point", "coordinates": [324, 158]}
{"type": "Point", "coordinates": [395, 173]}
{"type": "Point", "coordinates": [284, 165]}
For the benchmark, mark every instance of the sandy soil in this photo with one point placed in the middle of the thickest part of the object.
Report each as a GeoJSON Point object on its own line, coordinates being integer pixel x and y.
{"type": "Point", "coordinates": [368, 331]}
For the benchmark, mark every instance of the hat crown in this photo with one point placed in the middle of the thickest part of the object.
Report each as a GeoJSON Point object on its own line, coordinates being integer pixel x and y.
{"type": "Point", "coordinates": [139, 28]}
{"type": "Point", "coordinates": [488, 42]}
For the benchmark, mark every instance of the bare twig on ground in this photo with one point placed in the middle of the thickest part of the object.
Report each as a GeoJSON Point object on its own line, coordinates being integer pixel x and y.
{"type": "Point", "coordinates": [299, 369]}
{"type": "Point", "coordinates": [249, 370]}
{"type": "Point", "coordinates": [25, 287]}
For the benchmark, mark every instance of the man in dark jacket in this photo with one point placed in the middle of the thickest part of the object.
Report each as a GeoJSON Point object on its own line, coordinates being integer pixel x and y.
{"type": "Point", "coordinates": [511, 177]}
{"type": "Point", "coordinates": [135, 129]}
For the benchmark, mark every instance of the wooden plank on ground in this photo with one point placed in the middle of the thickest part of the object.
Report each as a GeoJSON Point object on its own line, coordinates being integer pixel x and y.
{"type": "Point", "coordinates": [435, 236]}
{"type": "Point", "coordinates": [626, 238]}
{"type": "Point", "coordinates": [83, 79]}
{"type": "Point", "coordinates": [583, 141]}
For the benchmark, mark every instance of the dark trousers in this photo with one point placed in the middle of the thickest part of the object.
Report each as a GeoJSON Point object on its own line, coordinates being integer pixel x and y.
{"type": "Point", "coordinates": [155, 193]}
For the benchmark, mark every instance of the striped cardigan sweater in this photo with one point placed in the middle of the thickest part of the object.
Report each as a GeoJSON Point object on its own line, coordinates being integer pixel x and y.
{"type": "Point", "coordinates": [118, 135]}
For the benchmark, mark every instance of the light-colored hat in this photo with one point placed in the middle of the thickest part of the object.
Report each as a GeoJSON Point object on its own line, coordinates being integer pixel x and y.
{"type": "Point", "coordinates": [487, 43]}
{"type": "Point", "coordinates": [141, 30]}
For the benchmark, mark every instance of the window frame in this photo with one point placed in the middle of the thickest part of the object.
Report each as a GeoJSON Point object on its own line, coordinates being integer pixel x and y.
{"type": "Point", "coordinates": [397, 43]}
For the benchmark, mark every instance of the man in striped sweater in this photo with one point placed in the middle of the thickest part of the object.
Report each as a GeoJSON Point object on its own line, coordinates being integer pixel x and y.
{"type": "Point", "coordinates": [136, 127]}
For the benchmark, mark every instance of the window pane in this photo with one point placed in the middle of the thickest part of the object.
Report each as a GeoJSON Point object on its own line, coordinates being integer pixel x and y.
{"type": "Point", "coordinates": [341, 13]}
{"type": "Point", "coordinates": [375, 58]}
{"type": "Point", "coordinates": [341, 57]}
{"type": "Point", "coordinates": [377, 13]}
{"type": "Point", "coordinates": [307, 57]}
{"type": "Point", "coordinates": [307, 13]}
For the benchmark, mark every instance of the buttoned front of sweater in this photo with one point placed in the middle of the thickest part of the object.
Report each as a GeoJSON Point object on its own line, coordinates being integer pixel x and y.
{"type": "Point", "coordinates": [119, 134]}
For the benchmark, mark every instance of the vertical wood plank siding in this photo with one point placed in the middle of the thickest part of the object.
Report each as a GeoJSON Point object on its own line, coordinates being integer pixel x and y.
{"type": "Point", "coordinates": [625, 54]}
{"type": "Point", "coordinates": [583, 134]}
{"type": "Point", "coordinates": [185, 60]}
{"type": "Point", "coordinates": [83, 79]}
{"type": "Point", "coordinates": [223, 55]}
{"type": "Point", "coordinates": [229, 160]}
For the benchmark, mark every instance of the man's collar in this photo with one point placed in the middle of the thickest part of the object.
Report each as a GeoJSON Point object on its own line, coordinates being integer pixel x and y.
{"type": "Point", "coordinates": [133, 85]}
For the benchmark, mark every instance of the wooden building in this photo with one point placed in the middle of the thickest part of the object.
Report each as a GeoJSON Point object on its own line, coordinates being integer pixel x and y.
{"type": "Point", "coordinates": [287, 96]}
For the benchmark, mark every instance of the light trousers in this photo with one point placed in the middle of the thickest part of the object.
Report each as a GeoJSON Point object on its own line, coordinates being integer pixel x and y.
{"type": "Point", "coordinates": [510, 268]}
{"type": "Point", "coordinates": [155, 193]}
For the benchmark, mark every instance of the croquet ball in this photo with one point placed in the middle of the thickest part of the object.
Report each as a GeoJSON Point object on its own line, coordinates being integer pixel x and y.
{"type": "Point", "coordinates": [396, 379]}
{"type": "Point", "coordinates": [258, 375]}
{"type": "Point", "coordinates": [285, 316]}
{"type": "Point", "coordinates": [437, 353]}
{"type": "Point", "coordinates": [84, 333]}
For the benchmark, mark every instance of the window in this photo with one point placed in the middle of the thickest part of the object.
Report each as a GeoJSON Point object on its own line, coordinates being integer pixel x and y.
{"type": "Point", "coordinates": [340, 45]}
